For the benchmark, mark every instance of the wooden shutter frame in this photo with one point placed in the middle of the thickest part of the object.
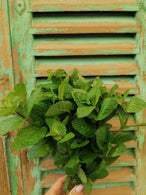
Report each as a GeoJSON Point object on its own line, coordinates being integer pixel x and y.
{"type": "Point", "coordinates": [23, 70]}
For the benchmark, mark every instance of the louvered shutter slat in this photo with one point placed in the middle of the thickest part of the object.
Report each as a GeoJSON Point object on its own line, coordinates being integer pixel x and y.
{"type": "Point", "coordinates": [83, 5]}
{"type": "Point", "coordinates": [83, 22]}
{"type": "Point", "coordinates": [84, 46]}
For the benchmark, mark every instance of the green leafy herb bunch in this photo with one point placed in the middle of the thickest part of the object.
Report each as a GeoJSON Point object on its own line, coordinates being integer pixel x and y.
{"type": "Point", "coordinates": [69, 118]}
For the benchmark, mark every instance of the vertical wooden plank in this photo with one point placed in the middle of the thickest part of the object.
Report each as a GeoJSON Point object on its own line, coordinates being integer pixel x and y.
{"type": "Point", "coordinates": [6, 83]}
{"type": "Point", "coordinates": [141, 117]}
{"type": "Point", "coordinates": [20, 23]}
{"type": "Point", "coordinates": [10, 161]}
{"type": "Point", "coordinates": [4, 177]}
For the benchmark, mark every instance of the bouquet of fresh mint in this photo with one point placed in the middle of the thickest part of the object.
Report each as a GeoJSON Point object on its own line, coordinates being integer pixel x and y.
{"type": "Point", "coordinates": [68, 117]}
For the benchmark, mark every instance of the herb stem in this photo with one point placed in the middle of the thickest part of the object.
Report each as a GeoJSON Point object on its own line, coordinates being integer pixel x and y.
{"type": "Point", "coordinates": [121, 128]}
{"type": "Point", "coordinates": [24, 117]}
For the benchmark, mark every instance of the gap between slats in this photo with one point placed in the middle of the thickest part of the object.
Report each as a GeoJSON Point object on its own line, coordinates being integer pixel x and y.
{"type": "Point", "coordinates": [83, 5]}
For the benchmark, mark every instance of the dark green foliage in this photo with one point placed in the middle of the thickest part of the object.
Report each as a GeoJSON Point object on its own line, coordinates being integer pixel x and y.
{"type": "Point", "coordinates": [68, 117]}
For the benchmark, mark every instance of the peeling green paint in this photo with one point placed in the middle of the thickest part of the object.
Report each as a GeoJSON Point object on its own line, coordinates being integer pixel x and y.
{"type": "Point", "coordinates": [35, 173]}
{"type": "Point", "coordinates": [103, 186]}
{"type": "Point", "coordinates": [14, 164]}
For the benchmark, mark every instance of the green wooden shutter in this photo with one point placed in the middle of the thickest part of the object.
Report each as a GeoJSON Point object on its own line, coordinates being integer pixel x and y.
{"type": "Point", "coordinates": [104, 38]}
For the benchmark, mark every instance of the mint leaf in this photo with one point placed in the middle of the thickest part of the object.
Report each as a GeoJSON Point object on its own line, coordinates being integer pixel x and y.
{"type": "Point", "coordinates": [75, 145]}
{"type": "Point", "coordinates": [28, 136]}
{"type": "Point", "coordinates": [43, 149]}
{"type": "Point", "coordinates": [61, 88]}
{"type": "Point", "coordinates": [123, 137]}
{"type": "Point", "coordinates": [68, 91]}
{"type": "Point", "coordinates": [60, 73]}
{"type": "Point", "coordinates": [112, 90]}
{"type": "Point", "coordinates": [59, 108]}
{"type": "Point", "coordinates": [102, 135]}
{"type": "Point", "coordinates": [60, 159]}
{"type": "Point", "coordinates": [84, 111]}
{"type": "Point", "coordinates": [94, 94]}
{"type": "Point", "coordinates": [20, 91]}
{"type": "Point", "coordinates": [117, 150]}
{"type": "Point", "coordinates": [135, 105]}
{"type": "Point", "coordinates": [79, 96]}
{"type": "Point", "coordinates": [38, 150]}
{"type": "Point", "coordinates": [84, 127]}
{"type": "Point", "coordinates": [67, 137]}
{"type": "Point", "coordinates": [74, 76]}
{"type": "Point", "coordinates": [99, 172]}
{"type": "Point", "coordinates": [119, 98]}
{"type": "Point", "coordinates": [122, 115]}
{"type": "Point", "coordinates": [73, 164]}
{"type": "Point", "coordinates": [126, 93]}
{"type": "Point", "coordinates": [81, 174]}
{"type": "Point", "coordinates": [57, 129]}
{"type": "Point", "coordinates": [36, 96]}
{"type": "Point", "coordinates": [32, 152]}
{"type": "Point", "coordinates": [88, 187]}
{"type": "Point", "coordinates": [10, 124]}
{"type": "Point", "coordinates": [87, 158]}
{"type": "Point", "coordinates": [9, 105]}
{"type": "Point", "coordinates": [107, 107]}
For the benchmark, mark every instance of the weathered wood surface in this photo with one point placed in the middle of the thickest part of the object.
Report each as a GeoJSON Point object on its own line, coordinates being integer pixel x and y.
{"type": "Point", "coordinates": [80, 22]}
{"type": "Point", "coordinates": [6, 84]}
{"type": "Point", "coordinates": [115, 190]}
{"type": "Point", "coordinates": [82, 46]}
{"type": "Point", "coordinates": [4, 176]}
{"type": "Point", "coordinates": [23, 71]}
{"type": "Point", "coordinates": [83, 5]}
{"type": "Point", "coordinates": [140, 185]}
{"type": "Point", "coordinates": [102, 69]}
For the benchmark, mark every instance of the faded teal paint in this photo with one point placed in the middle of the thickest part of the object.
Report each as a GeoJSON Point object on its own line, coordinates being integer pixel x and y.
{"type": "Point", "coordinates": [52, 30]}
{"type": "Point", "coordinates": [22, 46]}
{"type": "Point", "coordinates": [111, 71]}
{"type": "Point", "coordinates": [23, 68]}
{"type": "Point", "coordinates": [35, 173]}
{"type": "Point", "coordinates": [89, 7]}
{"type": "Point", "coordinates": [106, 185]}
{"type": "Point", "coordinates": [52, 52]}
{"type": "Point", "coordinates": [141, 117]}
{"type": "Point", "coordinates": [13, 163]}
